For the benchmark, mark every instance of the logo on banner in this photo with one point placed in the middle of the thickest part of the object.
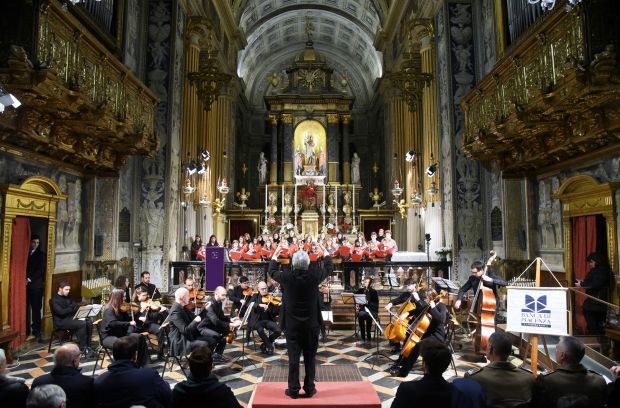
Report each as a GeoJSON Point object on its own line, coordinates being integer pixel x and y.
{"type": "Point", "coordinates": [535, 312]}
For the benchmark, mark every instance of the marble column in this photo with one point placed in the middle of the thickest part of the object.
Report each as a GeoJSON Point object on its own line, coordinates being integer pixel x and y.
{"type": "Point", "coordinates": [287, 146]}
{"type": "Point", "coordinates": [346, 155]}
{"type": "Point", "coordinates": [273, 174]}
{"type": "Point", "coordinates": [332, 148]}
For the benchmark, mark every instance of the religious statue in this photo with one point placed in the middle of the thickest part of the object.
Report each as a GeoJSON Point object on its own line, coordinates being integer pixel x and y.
{"type": "Point", "coordinates": [297, 164]}
{"type": "Point", "coordinates": [322, 162]}
{"type": "Point", "coordinates": [272, 206]}
{"type": "Point", "coordinates": [217, 206]}
{"type": "Point", "coordinates": [346, 207]}
{"type": "Point", "coordinates": [243, 196]}
{"type": "Point", "coordinates": [310, 159]}
{"type": "Point", "coordinates": [286, 210]}
{"type": "Point", "coordinates": [188, 188]}
{"type": "Point", "coordinates": [376, 197]}
{"type": "Point", "coordinates": [355, 169]}
{"type": "Point", "coordinates": [402, 207]}
{"type": "Point", "coordinates": [331, 206]}
{"type": "Point", "coordinates": [262, 169]}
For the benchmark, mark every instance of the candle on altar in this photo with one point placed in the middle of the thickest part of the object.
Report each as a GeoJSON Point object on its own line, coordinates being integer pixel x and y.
{"type": "Point", "coordinates": [336, 203]}
{"type": "Point", "coordinates": [265, 198]}
{"type": "Point", "coordinates": [283, 200]}
{"type": "Point", "coordinates": [353, 201]}
{"type": "Point", "coordinates": [324, 208]}
{"type": "Point", "coordinates": [295, 207]}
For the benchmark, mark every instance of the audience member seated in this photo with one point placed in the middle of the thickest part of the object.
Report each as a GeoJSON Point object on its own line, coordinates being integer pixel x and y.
{"type": "Point", "coordinates": [504, 384]}
{"type": "Point", "coordinates": [46, 396]}
{"type": "Point", "coordinates": [125, 384]}
{"type": "Point", "coordinates": [431, 389]}
{"type": "Point", "coordinates": [472, 395]}
{"type": "Point", "coordinates": [13, 391]}
{"type": "Point", "coordinates": [614, 387]}
{"type": "Point", "coordinates": [66, 374]}
{"type": "Point", "coordinates": [201, 385]}
{"type": "Point", "coordinates": [63, 310]}
{"type": "Point", "coordinates": [571, 377]}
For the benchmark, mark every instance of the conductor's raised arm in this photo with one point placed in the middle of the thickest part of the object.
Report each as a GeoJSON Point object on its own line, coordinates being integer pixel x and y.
{"type": "Point", "coordinates": [274, 268]}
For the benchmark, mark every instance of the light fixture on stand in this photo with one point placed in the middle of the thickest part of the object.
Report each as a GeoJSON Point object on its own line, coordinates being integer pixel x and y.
{"type": "Point", "coordinates": [547, 5]}
{"type": "Point", "coordinates": [431, 171]}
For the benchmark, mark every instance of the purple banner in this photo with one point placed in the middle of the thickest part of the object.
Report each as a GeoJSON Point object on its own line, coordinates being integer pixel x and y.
{"type": "Point", "coordinates": [214, 267]}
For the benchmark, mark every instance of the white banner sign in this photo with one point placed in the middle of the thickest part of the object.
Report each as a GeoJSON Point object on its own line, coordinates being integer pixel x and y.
{"type": "Point", "coordinates": [537, 311]}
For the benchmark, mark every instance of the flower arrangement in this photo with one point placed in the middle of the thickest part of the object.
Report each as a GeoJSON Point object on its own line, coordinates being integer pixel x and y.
{"type": "Point", "coordinates": [444, 252]}
{"type": "Point", "coordinates": [272, 224]}
{"type": "Point", "coordinates": [331, 229]}
{"type": "Point", "coordinates": [345, 228]}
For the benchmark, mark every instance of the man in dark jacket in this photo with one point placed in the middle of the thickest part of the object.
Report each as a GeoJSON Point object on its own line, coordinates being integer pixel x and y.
{"type": "Point", "coordinates": [67, 375]}
{"type": "Point", "coordinates": [238, 298]}
{"type": "Point", "coordinates": [150, 288]}
{"type": "Point", "coordinates": [202, 386]}
{"type": "Point", "coordinates": [301, 314]}
{"type": "Point", "coordinates": [363, 317]}
{"type": "Point", "coordinates": [437, 313]}
{"type": "Point", "coordinates": [13, 391]}
{"type": "Point", "coordinates": [125, 384]}
{"type": "Point", "coordinates": [63, 310]}
{"type": "Point", "coordinates": [217, 321]}
{"type": "Point", "coordinates": [478, 275]}
{"type": "Point", "coordinates": [596, 284]}
{"type": "Point", "coordinates": [432, 389]}
{"type": "Point", "coordinates": [263, 318]}
{"type": "Point", "coordinates": [35, 274]}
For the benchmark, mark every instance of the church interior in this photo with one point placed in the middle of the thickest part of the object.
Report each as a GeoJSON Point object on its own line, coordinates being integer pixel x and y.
{"type": "Point", "coordinates": [407, 140]}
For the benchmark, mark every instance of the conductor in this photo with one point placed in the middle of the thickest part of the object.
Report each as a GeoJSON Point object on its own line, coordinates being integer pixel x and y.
{"type": "Point", "coordinates": [301, 314]}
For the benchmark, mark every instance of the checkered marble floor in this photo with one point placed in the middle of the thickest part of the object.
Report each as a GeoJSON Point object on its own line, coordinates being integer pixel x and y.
{"type": "Point", "coordinates": [242, 376]}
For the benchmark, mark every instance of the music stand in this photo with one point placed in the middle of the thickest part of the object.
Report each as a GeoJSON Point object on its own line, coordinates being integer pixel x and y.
{"type": "Point", "coordinates": [347, 299]}
{"type": "Point", "coordinates": [243, 357]}
{"type": "Point", "coordinates": [87, 311]}
{"type": "Point", "coordinates": [377, 353]}
{"type": "Point", "coordinates": [360, 300]}
{"type": "Point", "coordinates": [392, 281]}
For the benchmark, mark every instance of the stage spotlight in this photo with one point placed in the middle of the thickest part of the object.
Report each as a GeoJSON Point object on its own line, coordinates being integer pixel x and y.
{"type": "Point", "coordinates": [431, 170]}
{"type": "Point", "coordinates": [410, 155]}
{"type": "Point", "coordinates": [191, 168]}
{"type": "Point", "coordinates": [204, 153]}
{"type": "Point", "coordinates": [201, 169]}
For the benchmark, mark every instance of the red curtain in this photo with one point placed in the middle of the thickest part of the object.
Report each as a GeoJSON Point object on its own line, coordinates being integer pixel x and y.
{"type": "Point", "coordinates": [20, 244]}
{"type": "Point", "coordinates": [584, 243]}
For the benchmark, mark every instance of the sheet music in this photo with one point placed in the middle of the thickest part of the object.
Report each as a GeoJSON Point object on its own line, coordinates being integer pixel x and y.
{"type": "Point", "coordinates": [360, 299]}
{"type": "Point", "coordinates": [87, 311]}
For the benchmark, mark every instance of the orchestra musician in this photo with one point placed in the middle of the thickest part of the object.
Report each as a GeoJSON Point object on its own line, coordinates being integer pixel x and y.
{"type": "Point", "coordinates": [122, 282]}
{"type": "Point", "coordinates": [438, 313]}
{"type": "Point", "coordinates": [238, 298]}
{"type": "Point", "coordinates": [489, 280]}
{"type": "Point", "coordinates": [118, 322]}
{"type": "Point", "coordinates": [264, 314]}
{"type": "Point", "coordinates": [217, 321]}
{"type": "Point", "coordinates": [63, 309]}
{"type": "Point", "coordinates": [151, 289]}
{"type": "Point", "coordinates": [326, 305]}
{"type": "Point", "coordinates": [184, 326]}
{"type": "Point", "coordinates": [372, 299]}
{"type": "Point", "coordinates": [404, 297]}
{"type": "Point", "coordinates": [149, 315]}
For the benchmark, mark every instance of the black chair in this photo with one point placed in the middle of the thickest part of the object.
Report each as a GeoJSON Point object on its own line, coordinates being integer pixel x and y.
{"type": "Point", "coordinates": [168, 355]}
{"type": "Point", "coordinates": [102, 350]}
{"type": "Point", "coordinates": [61, 335]}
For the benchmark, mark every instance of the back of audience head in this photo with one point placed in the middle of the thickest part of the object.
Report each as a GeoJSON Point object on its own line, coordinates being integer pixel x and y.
{"type": "Point", "coordinates": [67, 355]}
{"type": "Point", "coordinates": [569, 350]}
{"type": "Point", "coordinates": [573, 401]}
{"type": "Point", "coordinates": [201, 361]}
{"type": "Point", "coordinates": [125, 348]}
{"type": "Point", "coordinates": [436, 356]}
{"type": "Point", "coordinates": [47, 396]}
{"type": "Point", "coordinates": [499, 346]}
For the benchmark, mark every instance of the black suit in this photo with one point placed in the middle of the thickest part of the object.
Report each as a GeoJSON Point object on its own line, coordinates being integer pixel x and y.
{"type": "Point", "coordinates": [427, 391]}
{"type": "Point", "coordinates": [35, 272]}
{"type": "Point", "coordinates": [302, 318]}
{"type": "Point", "coordinates": [364, 319]}
{"type": "Point", "coordinates": [473, 282]}
{"type": "Point", "coordinates": [77, 386]}
{"type": "Point", "coordinates": [184, 330]}
{"type": "Point", "coordinates": [13, 392]}
{"type": "Point", "coordinates": [63, 310]}
{"type": "Point", "coordinates": [217, 321]}
{"type": "Point", "coordinates": [596, 284]}
{"type": "Point", "coordinates": [261, 320]}
{"type": "Point", "coordinates": [197, 391]}
{"type": "Point", "coordinates": [115, 326]}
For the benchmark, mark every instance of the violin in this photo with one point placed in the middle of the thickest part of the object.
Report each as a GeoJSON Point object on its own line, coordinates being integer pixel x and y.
{"type": "Point", "coordinates": [152, 305]}
{"type": "Point", "coordinates": [130, 307]}
{"type": "Point", "coordinates": [272, 300]}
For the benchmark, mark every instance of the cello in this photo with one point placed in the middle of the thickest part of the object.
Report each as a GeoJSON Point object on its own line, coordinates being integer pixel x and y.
{"type": "Point", "coordinates": [485, 310]}
{"type": "Point", "coordinates": [396, 331]}
{"type": "Point", "coordinates": [419, 327]}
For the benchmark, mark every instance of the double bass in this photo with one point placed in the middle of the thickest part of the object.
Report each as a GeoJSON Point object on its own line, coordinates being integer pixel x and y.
{"type": "Point", "coordinates": [485, 313]}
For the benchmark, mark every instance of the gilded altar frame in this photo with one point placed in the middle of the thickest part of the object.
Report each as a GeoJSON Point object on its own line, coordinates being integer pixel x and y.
{"type": "Point", "coordinates": [583, 195]}
{"type": "Point", "coordinates": [38, 197]}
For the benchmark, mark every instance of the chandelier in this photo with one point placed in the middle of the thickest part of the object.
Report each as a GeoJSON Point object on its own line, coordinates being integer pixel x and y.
{"type": "Point", "coordinates": [550, 4]}
{"type": "Point", "coordinates": [209, 80]}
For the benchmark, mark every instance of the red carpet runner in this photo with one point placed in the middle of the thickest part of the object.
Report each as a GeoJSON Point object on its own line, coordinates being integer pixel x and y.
{"type": "Point", "coordinates": [358, 394]}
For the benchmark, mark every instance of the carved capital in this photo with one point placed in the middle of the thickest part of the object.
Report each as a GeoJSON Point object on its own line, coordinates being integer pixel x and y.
{"type": "Point", "coordinates": [273, 119]}
{"type": "Point", "coordinates": [346, 119]}
{"type": "Point", "coordinates": [286, 118]}
{"type": "Point", "coordinates": [333, 118]}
